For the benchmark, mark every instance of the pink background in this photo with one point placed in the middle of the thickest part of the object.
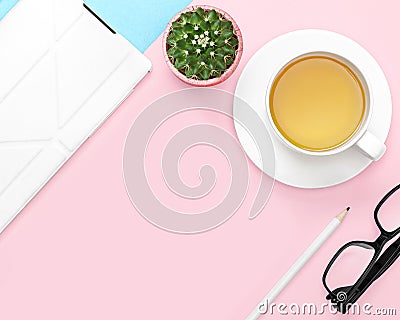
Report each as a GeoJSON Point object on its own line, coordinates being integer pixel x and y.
{"type": "Point", "coordinates": [81, 251]}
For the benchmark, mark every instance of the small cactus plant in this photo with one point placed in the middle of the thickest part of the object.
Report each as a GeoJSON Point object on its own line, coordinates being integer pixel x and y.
{"type": "Point", "coordinates": [202, 44]}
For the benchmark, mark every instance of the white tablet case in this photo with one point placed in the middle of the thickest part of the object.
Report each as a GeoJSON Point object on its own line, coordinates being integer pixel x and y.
{"type": "Point", "coordinates": [62, 73]}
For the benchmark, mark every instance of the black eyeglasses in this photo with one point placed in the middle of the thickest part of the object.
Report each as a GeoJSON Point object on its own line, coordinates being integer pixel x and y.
{"type": "Point", "coordinates": [358, 264]}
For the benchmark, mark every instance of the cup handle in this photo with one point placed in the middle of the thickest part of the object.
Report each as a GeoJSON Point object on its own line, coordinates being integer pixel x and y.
{"type": "Point", "coordinates": [371, 146]}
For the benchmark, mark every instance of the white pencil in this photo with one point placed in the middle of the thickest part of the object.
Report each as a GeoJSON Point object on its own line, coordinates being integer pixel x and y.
{"type": "Point", "coordinates": [262, 307]}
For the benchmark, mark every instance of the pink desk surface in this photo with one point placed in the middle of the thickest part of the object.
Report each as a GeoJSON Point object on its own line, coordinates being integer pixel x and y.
{"type": "Point", "coordinates": [81, 251]}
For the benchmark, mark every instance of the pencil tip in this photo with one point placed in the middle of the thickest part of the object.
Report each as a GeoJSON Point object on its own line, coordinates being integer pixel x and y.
{"type": "Point", "coordinates": [343, 214]}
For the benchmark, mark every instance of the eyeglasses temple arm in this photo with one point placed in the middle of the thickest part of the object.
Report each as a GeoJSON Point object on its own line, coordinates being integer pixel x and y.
{"type": "Point", "coordinates": [388, 257]}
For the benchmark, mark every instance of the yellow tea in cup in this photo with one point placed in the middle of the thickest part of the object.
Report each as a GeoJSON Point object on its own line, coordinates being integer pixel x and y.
{"type": "Point", "coordinates": [317, 103]}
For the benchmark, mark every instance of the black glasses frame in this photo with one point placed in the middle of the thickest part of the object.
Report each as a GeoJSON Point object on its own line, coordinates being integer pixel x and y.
{"type": "Point", "coordinates": [344, 297]}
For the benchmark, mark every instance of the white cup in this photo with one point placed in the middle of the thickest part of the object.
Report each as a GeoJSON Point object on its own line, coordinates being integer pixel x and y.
{"type": "Point", "coordinates": [366, 142]}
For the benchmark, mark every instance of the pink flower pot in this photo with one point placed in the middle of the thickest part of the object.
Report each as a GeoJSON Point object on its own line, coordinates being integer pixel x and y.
{"type": "Point", "coordinates": [213, 81]}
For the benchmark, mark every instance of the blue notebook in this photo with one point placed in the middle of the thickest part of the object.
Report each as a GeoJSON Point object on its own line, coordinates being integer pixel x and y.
{"type": "Point", "coordinates": [140, 22]}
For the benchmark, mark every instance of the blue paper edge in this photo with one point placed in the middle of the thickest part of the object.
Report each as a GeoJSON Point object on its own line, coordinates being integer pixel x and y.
{"type": "Point", "coordinates": [101, 7]}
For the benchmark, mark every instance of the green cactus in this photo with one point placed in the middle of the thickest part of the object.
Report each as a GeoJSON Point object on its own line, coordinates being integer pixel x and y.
{"type": "Point", "coordinates": [202, 44]}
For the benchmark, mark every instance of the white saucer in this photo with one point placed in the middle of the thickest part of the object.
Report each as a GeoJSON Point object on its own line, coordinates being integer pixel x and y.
{"type": "Point", "coordinates": [297, 169]}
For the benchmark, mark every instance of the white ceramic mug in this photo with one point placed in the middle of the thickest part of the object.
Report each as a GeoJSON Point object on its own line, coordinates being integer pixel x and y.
{"type": "Point", "coordinates": [366, 142]}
